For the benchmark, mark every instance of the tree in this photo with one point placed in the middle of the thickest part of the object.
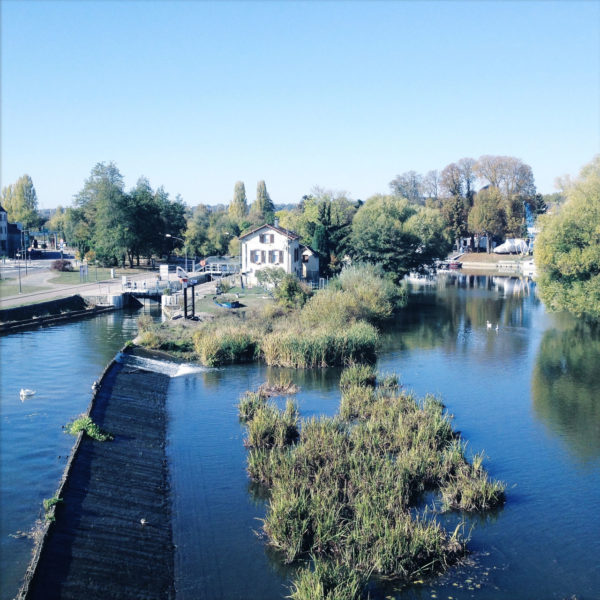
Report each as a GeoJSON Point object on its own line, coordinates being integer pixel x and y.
{"type": "Point", "coordinates": [508, 174]}
{"type": "Point", "coordinates": [431, 185]}
{"type": "Point", "coordinates": [567, 250]}
{"type": "Point", "coordinates": [238, 208]}
{"type": "Point", "coordinates": [408, 185]}
{"type": "Point", "coordinates": [21, 203]}
{"type": "Point", "coordinates": [384, 232]}
{"type": "Point", "coordinates": [262, 208]}
{"type": "Point", "coordinates": [486, 218]}
{"type": "Point", "coordinates": [454, 210]}
{"type": "Point", "coordinates": [451, 181]}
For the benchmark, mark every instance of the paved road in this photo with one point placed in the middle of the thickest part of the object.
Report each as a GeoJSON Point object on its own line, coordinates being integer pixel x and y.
{"type": "Point", "coordinates": [39, 275]}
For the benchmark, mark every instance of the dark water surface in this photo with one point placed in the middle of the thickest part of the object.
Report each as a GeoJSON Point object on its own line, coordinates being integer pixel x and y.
{"type": "Point", "coordinates": [60, 363]}
{"type": "Point", "coordinates": [528, 394]}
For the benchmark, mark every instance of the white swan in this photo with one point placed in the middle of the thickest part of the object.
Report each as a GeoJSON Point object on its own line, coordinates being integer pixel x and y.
{"type": "Point", "coordinates": [25, 393]}
{"type": "Point", "coordinates": [489, 325]}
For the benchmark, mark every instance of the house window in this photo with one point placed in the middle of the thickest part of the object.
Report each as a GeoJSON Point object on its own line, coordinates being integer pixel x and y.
{"type": "Point", "coordinates": [305, 258]}
{"type": "Point", "coordinates": [266, 238]}
{"type": "Point", "coordinates": [295, 254]}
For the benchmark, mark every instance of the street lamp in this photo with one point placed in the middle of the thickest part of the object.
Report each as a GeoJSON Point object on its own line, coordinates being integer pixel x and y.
{"type": "Point", "coordinates": [184, 246]}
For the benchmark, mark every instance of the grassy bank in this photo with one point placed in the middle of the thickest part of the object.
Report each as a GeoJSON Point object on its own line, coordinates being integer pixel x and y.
{"type": "Point", "coordinates": [343, 491]}
{"type": "Point", "coordinates": [336, 326]}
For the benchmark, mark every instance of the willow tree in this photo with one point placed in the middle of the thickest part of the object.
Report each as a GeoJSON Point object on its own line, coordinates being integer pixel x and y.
{"type": "Point", "coordinates": [262, 208]}
{"type": "Point", "coordinates": [567, 250]}
{"type": "Point", "coordinates": [238, 208]}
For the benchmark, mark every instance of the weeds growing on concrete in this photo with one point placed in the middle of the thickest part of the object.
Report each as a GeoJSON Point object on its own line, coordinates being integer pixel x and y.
{"type": "Point", "coordinates": [84, 423]}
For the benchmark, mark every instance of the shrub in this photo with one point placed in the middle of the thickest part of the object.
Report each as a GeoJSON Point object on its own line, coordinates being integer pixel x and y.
{"type": "Point", "coordinates": [62, 264]}
{"type": "Point", "coordinates": [290, 292]}
{"type": "Point", "coordinates": [50, 507]}
{"type": "Point", "coordinates": [149, 339]}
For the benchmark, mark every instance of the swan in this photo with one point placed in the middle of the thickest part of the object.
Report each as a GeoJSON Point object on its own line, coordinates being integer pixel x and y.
{"type": "Point", "coordinates": [489, 325]}
{"type": "Point", "coordinates": [25, 392]}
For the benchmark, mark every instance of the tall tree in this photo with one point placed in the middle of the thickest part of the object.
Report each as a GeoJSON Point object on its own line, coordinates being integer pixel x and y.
{"type": "Point", "coordinates": [431, 185]}
{"type": "Point", "coordinates": [397, 235]}
{"type": "Point", "coordinates": [486, 218]}
{"type": "Point", "coordinates": [508, 174]}
{"type": "Point", "coordinates": [238, 208]}
{"type": "Point", "coordinates": [20, 202]}
{"type": "Point", "coordinates": [455, 212]}
{"type": "Point", "coordinates": [567, 251]}
{"type": "Point", "coordinates": [408, 185]}
{"type": "Point", "coordinates": [468, 177]}
{"type": "Point", "coordinates": [451, 181]}
{"type": "Point", "coordinates": [262, 208]}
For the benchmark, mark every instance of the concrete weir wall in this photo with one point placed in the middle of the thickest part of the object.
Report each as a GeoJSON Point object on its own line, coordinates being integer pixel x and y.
{"type": "Point", "coordinates": [112, 537]}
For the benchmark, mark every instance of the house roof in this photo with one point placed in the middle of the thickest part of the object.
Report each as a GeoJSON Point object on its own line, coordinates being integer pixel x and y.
{"type": "Point", "coordinates": [309, 249]}
{"type": "Point", "coordinates": [1, 208]}
{"type": "Point", "coordinates": [289, 234]}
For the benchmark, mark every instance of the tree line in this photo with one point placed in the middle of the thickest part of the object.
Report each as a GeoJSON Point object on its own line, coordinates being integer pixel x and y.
{"type": "Point", "coordinates": [405, 230]}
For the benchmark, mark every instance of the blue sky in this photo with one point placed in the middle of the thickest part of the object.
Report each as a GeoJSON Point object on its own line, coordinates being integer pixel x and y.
{"type": "Point", "coordinates": [343, 95]}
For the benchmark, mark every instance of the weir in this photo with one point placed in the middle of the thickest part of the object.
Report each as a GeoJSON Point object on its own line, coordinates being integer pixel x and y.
{"type": "Point", "coordinates": [112, 537]}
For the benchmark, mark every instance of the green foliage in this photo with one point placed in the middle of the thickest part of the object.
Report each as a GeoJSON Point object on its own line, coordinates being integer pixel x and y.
{"type": "Point", "coordinates": [358, 375]}
{"type": "Point", "coordinates": [345, 493]}
{"type": "Point", "coordinates": [224, 345]}
{"type": "Point", "coordinates": [20, 202]}
{"type": "Point", "coordinates": [270, 277]}
{"type": "Point", "coordinates": [321, 347]}
{"type": "Point", "coordinates": [567, 251]}
{"type": "Point", "coordinates": [262, 209]}
{"type": "Point", "coordinates": [238, 209]}
{"type": "Point", "coordinates": [50, 508]}
{"type": "Point", "coordinates": [291, 292]}
{"type": "Point", "coordinates": [399, 236]}
{"type": "Point", "coordinates": [486, 217]}
{"type": "Point", "coordinates": [84, 423]}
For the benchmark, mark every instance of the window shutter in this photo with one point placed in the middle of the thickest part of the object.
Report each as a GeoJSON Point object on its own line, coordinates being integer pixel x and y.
{"type": "Point", "coordinates": [263, 256]}
{"type": "Point", "coordinates": [272, 238]}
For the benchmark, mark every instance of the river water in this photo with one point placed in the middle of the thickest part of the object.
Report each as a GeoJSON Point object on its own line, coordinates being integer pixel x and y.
{"type": "Point", "coordinates": [527, 394]}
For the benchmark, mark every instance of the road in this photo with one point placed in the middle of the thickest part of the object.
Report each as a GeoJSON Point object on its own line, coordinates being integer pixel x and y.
{"type": "Point", "coordinates": [39, 274]}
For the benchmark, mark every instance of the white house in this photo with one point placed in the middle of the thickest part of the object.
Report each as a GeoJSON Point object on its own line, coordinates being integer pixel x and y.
{"type": "Point", "coordinates": [270, 246]}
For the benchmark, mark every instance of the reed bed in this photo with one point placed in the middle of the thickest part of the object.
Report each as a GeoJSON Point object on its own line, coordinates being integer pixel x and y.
{"type": "Point", "coordinates": [343, 489]}
{"type": "Point", "coordinates": [336, 327]}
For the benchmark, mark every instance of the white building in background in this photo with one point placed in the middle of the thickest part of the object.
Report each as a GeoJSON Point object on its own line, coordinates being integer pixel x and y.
{"type": "Point", "coordinates": [272, 246]}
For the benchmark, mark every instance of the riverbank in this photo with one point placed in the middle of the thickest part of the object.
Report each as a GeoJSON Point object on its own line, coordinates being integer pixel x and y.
{"type": "Point", "coordinates": [112, 536]}
{"type": "Point", "coordinates": [55, 311]}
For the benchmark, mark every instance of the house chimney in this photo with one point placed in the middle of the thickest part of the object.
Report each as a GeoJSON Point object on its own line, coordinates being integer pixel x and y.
{"type": "Point", "coordinates": [276, 222]}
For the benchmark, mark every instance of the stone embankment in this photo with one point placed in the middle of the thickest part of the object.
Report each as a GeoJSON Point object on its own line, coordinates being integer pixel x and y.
{"type": "Point", "coordinates": [55, 311]}
{"type": "Point", "coordinates": [112, 537]}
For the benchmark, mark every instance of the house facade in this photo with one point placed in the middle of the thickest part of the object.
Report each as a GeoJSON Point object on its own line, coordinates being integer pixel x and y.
{"type": "Point", "coordinates": [270, 246]}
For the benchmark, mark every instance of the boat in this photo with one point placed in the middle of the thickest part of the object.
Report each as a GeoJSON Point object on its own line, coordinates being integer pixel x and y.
{"type": "Point", "coordinates": [454, 264]}
{"type": "Point", "coordinates": [227, 303]}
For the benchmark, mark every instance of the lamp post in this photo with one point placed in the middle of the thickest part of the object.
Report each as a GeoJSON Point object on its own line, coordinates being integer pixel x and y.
{"type": "Point", "coordinates": [184, 246]}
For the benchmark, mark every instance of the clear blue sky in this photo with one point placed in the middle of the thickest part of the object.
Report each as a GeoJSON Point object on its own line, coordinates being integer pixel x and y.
{"type": "Point", "coordinates": [344, 95]}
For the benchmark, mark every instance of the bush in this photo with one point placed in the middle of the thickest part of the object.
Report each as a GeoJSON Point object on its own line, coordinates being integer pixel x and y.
{"type": "Point", "coordinates": [290, 292]}
{"type": "Point", "coordinates": [62, 264]}
{"type": "Point", "coordinates": [85, 424]}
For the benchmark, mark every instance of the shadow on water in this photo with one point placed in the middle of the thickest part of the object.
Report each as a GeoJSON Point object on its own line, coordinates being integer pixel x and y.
{"type": "Point", "coordinates": [565, 386]}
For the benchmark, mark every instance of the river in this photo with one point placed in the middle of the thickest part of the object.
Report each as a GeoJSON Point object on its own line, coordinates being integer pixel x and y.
{"type": "Point", "coordinates": [527, 394]}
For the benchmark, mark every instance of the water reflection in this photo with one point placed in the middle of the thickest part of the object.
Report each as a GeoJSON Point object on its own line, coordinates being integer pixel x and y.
{"type": "Point", "coordinates": [462, 313]}
{"type": "Point", "coordinates": [566, 387]}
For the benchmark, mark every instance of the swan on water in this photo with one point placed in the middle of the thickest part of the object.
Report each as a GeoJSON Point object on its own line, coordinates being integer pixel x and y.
{"type": "Point", "coordinates": [25, 392]}
{"type": "Point", "coordinates": [143, 521]}
{"type": "Point", "coordinates": [489, 325]}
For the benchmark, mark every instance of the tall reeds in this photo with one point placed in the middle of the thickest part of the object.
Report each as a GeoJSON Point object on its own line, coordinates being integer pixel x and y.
{"type": "Point", "coordinates": [343, 490]}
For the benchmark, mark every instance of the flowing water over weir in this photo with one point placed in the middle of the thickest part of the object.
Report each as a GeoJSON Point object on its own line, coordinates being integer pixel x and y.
{"type": "Point", "coordinates": [112, 536]}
